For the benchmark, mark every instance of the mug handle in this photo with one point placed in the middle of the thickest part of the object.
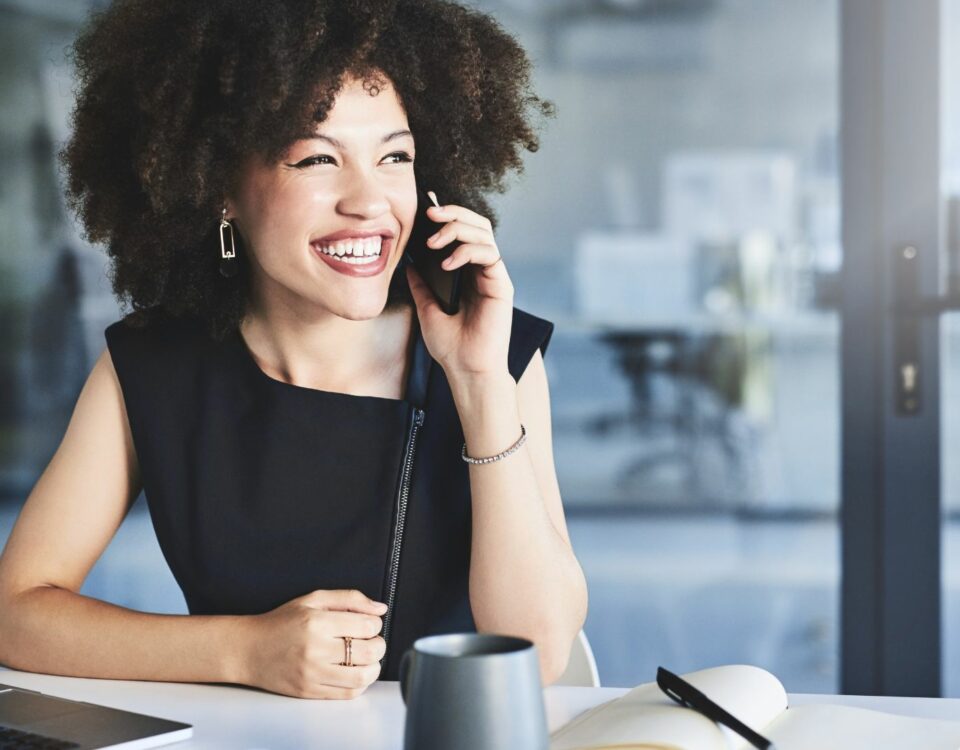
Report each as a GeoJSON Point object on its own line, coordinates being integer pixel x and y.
{"type": "Point", "coordinates": [404, 669]}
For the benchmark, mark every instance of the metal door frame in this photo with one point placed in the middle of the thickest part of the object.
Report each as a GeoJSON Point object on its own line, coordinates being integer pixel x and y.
{"type": "Point", "coordinates": [890, 102]}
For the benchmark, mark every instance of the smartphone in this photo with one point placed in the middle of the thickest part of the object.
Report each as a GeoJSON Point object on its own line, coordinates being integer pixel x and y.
{"type": "Point", "coordinates": [444, 284]}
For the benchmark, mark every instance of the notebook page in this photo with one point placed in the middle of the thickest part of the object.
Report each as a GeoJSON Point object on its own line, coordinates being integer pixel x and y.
{"type": "Point", "coordinates": [644, 721]}
{"type": "Point", "coordinates": [645, 717]}
{"type": "Point", "coordinates": [825, 727]}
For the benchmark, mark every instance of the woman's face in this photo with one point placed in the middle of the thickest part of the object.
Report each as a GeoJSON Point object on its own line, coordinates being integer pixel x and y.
{"type": "Point", "coordinates": [352, 184]}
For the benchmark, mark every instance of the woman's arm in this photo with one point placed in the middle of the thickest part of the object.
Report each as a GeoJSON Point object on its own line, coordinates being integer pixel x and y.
{"type": "Point", "coordinates": [68, 520]}
{"type": "Point", "coordinates": [524, 577]}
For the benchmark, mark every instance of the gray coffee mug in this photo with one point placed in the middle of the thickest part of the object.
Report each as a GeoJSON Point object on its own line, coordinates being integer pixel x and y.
{"type": "Point", "coordinates": [473, 691]}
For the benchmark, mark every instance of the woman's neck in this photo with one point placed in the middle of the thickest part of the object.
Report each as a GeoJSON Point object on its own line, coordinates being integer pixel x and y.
{"type": "Point", "coordinates": [331, 353]}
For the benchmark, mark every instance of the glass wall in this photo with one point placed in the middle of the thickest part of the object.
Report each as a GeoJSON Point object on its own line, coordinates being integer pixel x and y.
{"type": "Point", "coordinates": [680, 225]}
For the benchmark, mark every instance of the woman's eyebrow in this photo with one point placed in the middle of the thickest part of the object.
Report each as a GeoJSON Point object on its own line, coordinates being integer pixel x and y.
{"type": "Point", "coordinates": [334, 142]}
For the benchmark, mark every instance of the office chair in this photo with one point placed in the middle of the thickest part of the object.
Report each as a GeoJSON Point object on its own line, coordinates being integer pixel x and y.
{"type": "Point", "coordinates": [581, 670]}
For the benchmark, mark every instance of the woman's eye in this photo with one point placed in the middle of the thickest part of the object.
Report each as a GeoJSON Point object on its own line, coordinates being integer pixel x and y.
{"type": "Point", "coordinates": [404, 156]}
{"type": "Point", "coordinates": [309, 161]}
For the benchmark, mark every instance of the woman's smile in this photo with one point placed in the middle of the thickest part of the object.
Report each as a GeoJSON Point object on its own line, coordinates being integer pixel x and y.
{"type": "Point", "coordinates": [360, 257]}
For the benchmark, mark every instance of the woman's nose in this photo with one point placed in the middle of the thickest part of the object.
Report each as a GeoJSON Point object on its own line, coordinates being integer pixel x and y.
{"type": "Point", "coordinates": [363, 197]}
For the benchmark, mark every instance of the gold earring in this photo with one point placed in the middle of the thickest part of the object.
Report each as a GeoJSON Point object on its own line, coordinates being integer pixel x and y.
{"type": "Point", "coordinates": [228, 263]}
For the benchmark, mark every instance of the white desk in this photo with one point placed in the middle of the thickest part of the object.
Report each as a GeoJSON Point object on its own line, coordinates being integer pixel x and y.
{"type": "Point", "coordinates": [240, 718]}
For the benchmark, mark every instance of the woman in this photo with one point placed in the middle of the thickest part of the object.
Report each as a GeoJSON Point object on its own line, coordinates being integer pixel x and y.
{"type": "Point", "coordinates": [305, 427]}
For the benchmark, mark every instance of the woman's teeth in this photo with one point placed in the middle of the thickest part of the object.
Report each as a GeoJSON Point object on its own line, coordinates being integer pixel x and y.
{"type": "Point", "coordinates": [356, 252]}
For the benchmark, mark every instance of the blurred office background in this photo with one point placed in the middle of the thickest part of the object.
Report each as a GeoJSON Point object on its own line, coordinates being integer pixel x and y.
{"type": "Point", "coordinates": [681, 226]}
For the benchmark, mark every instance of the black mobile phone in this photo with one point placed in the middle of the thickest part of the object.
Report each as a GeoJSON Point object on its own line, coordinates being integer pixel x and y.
{"type": "Point", "coordinates": [444, 284]}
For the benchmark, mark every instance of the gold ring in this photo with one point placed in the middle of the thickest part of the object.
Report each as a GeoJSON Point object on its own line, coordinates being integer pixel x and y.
{"type": "Point", "coordinates": [347, 648]}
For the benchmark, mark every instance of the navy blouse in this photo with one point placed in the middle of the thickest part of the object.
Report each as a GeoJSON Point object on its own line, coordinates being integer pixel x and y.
{"type": "Point", "coordinates": [261, 491]}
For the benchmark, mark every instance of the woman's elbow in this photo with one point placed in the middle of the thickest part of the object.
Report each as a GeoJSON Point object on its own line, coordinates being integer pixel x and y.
{"type": "Point", "coordinates": [554, 658]}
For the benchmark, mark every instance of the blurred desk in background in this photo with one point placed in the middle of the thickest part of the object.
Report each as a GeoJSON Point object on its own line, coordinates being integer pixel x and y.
{"type": "Point", "coordinates": [695, 382]}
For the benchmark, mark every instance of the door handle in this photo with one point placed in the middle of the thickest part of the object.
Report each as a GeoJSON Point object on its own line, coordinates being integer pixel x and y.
{"type": "Point", "coordinates": [910, 308]}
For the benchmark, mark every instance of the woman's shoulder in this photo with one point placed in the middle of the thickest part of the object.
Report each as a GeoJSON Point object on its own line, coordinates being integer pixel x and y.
{"type": "Point", "coordinates": [528, 333]}
{"type": "Point", "coordinates": [153, 340]}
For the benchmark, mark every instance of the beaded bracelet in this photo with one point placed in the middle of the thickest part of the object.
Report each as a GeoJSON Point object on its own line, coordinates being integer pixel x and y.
{"type": "Point", "coordinates": [522, 439]}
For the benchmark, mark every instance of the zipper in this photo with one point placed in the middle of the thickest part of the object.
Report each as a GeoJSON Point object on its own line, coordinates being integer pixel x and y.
{"type": "Point", "coordinates": [415, 423]}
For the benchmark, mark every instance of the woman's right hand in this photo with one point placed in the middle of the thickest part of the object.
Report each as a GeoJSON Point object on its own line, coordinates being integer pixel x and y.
{"type": "Point", "coordinates": [296, 649]}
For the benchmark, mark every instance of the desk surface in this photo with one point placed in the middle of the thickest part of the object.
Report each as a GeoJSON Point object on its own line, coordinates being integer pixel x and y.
{"type": "Point", "coordinates": [237, 717]}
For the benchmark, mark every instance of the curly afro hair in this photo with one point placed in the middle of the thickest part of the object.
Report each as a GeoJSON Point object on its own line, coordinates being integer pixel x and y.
{"type": "Point", "coordinates": [174, 95]}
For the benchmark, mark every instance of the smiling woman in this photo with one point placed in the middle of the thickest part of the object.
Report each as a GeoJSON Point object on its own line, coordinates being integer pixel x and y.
{"type": "Point", "coordinates": [297, 408]}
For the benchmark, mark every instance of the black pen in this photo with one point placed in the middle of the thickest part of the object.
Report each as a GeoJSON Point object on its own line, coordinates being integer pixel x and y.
{"type": "Point", "coordinates": [687, 695]}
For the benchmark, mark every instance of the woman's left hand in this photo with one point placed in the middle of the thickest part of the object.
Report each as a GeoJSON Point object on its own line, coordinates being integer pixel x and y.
{"type": "Point", "coordinates": [474, 342]}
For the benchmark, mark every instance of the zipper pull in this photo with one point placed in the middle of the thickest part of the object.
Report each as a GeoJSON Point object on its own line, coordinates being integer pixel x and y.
{"type": "Point", "coordinates": [418, 416]}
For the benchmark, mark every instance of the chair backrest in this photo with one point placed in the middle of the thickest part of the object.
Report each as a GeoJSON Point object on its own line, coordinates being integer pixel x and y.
{"type": "Point", "coordinates": [581, 670]}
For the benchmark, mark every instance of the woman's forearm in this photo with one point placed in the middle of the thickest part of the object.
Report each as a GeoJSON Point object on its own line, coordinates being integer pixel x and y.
{"type": "Point", "coordinates": [56, 631]}
{"type": "Point", "coordinates": [524, 578]}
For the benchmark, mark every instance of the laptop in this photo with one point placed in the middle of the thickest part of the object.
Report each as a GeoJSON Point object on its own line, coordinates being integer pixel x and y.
{"type": "Point", "coordinates": [35, 720]}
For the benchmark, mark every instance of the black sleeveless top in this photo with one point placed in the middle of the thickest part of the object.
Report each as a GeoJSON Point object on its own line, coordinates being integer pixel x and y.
{"type": "Point", "coordinates": [261, 491]}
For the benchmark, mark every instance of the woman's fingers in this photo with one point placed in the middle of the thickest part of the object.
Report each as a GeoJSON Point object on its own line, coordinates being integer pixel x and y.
{"type": "Point", "coordinates": [367, 650]}
{"type": "Point", "coordinates": [351, 677]}
{"type": "Point", "coordinates": [457, 230]}
{"type": "Point", "coordinates": [476, 246]}
{"type": "Point", "coordinates": [355, 624]}
{"type": "Point", "coordinates": [475, 233]}
{"type": "Point", "coordinates": [363, 651]}
{"type": "Point", "coordinates": [482, 255]}
{"type": "Point", "coordinates": [459, 213]}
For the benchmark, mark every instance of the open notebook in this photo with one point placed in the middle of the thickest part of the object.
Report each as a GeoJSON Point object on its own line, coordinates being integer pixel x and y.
{"type": "Point", "coordinates": [644, 718]}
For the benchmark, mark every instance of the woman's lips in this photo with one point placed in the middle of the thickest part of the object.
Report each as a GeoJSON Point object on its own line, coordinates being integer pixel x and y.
{"type": "Point", "coordinates": [355, 269]}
